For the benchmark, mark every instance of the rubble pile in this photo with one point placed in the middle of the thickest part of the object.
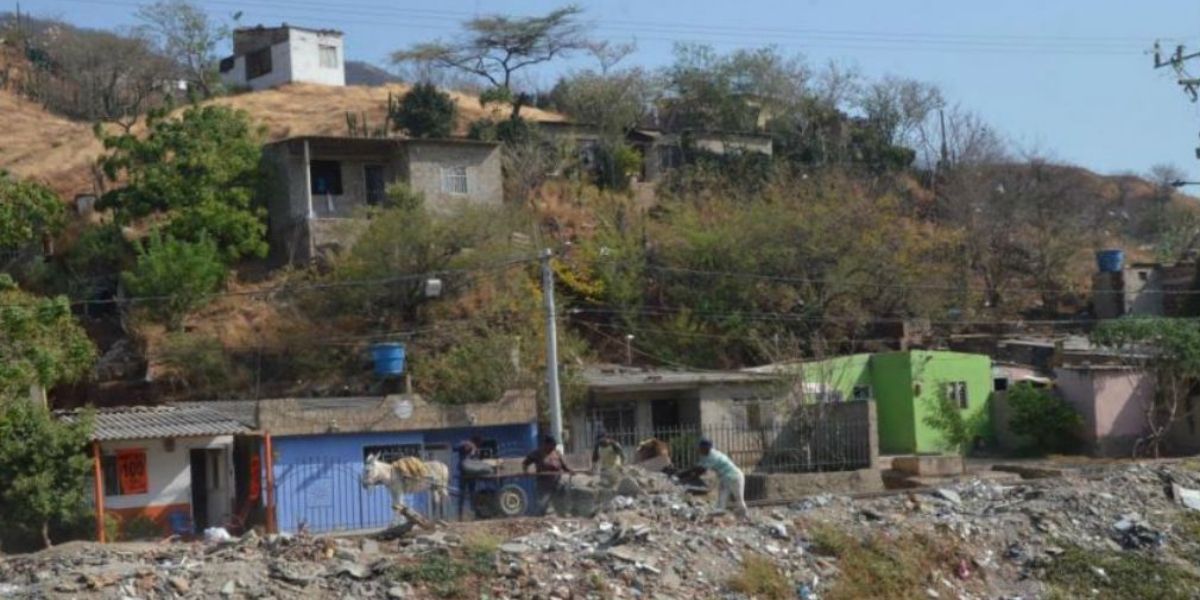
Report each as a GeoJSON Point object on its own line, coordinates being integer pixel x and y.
{"type": "Point", "coordinates": [657, 542]}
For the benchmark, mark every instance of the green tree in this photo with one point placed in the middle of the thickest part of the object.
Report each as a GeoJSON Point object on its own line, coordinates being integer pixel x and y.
{"type": "Point", "coordinates": [426, 112]}
{"type": "Point", "coordinates": [1169, 349]}
{"type": "Point", "coordinates": [495, 47]}
{"type": "Point", "coordinates": [44, 468]}
{"type": "Point", "coordinates": [200, 171]}
{"type": "Point", "coordinates": [1047, 421]}
{"type": "Point", "coordinates": [28, 210]}
{"type": "Point", "coordinates": [174, 277]}
{"type": "Point", "coordinates": [40, 342]}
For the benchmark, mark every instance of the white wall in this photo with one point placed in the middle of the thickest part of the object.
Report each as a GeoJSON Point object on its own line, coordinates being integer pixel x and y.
{"type": "Point", "coordinates": [170, 473]}
{"type": "Point", "coordinates": [305, 65]}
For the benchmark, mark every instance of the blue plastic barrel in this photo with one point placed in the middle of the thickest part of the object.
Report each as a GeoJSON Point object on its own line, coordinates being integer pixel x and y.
{"type": "Point", "coordinates": [1110, 261]}
{"type": "Point", "coordinates": [389, 359]}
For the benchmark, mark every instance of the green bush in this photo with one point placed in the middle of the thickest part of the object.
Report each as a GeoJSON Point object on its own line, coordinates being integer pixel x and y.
{"type": "Point", "coordinates": [140, 528]}
{"type": "Point", "coordinates": [173, 278]}
{"type": "Point", "coordinates": [199, 364]}
{"type": "Point", "coordinates": [1047, 421]}
{"type": "Point", "coordinates": [425, 112]}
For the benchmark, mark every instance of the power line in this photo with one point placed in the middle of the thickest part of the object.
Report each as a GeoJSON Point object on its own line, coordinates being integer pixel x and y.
{"type": "Point", "coordinates": [795, 318]}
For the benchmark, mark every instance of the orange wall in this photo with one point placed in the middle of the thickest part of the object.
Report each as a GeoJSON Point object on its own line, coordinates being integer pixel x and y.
{"type": "Point", "coordinates": [160, 514]}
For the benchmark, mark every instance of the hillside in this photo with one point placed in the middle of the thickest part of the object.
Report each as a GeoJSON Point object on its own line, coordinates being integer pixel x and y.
{"type": "Point", "coordinates": [39, 145]}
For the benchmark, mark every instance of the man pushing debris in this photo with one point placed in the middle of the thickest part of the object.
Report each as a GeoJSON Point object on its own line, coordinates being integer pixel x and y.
{"type": "Point", "coordinates": [732, 480]}
{"type": "Point", "coordinates": [549, 465]}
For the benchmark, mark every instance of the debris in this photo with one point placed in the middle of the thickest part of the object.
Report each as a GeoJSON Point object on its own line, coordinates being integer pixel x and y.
{"type": "Point", "coordinates": [1185, 496]}
{"type": "Point", "coordinates": [949, 495]}
{"type": "Point", "coordinates": [217, 535]}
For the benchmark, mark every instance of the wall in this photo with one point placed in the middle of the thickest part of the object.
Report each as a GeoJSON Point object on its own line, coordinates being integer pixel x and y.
{"type": "Point", "coordinates": [169, 477]}
{"type": "Point", "coordinates": [1112, 403]}
{"type": "Point", "coordinates": [841, 374]}
{"type": "Point", "coordinates": [426, 158]}
{"type": "Point", "coordinates": [306, 61]}
{"type": "Point", "coordinates": [730, 143]}
{"type": "Point", "coordinates": [725, 405]}
{"type": "Point", "coordinates": [891, 374]}
{"type": "Point", "coordinates": [933, 370]}
{"type": "Point", "coordinates": [318, 478]}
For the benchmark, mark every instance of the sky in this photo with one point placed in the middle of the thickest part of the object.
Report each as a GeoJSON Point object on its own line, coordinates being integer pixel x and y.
{"type": "Point", "coordinates": [1072, 80]}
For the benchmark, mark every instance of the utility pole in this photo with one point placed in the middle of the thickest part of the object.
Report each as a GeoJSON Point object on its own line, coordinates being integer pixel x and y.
{"type": "Point", "coordinates": [1177, 61]}
{"type": "Point", "coordinates": [552, 393]}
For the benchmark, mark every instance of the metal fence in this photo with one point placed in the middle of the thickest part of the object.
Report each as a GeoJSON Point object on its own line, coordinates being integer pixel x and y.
{"type": "Point", "coordinates": [812, 438]}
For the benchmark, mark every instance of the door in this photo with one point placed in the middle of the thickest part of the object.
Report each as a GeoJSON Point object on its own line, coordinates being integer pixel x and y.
{"type": "Point", "coordinates": [210, 488]}
{"type": "Point", "coordinates": [376, 187]}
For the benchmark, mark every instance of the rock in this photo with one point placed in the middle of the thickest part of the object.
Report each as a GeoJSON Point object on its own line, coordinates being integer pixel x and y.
{"type": "Point", "coordinates": [180, 585]}
{"type": "Point", "coordinates": [229, 588]}
{"type": "Point", "coordinates": [778, 530]}
{"type": "Point", "coordinates": [396, 593]}
{"type": "Point", "coordinates": [562, 593]}
{"type": "Point", "coordinates": [515, 548]}
{"type": "Point", "coordinates": [949, 495]}
{"type": "Point", "coordinates": [369, 546]}
{"type": "Point", "coordinates": [628, 486]}
{"type": "Point", "coordinates": [352, 570]}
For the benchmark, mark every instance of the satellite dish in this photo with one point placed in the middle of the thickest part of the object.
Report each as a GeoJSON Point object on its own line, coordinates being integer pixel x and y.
{"type": "Point", "coordinates": [403, 409]}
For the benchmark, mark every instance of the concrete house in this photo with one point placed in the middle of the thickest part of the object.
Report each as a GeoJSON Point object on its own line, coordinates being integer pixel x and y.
{"type": "Point", "coordinates": [267, 57]}
{"type": "Point", "coordinates": [751, 416]}
{"type": "Point", "coordinates": [172, 466]}
{"type": "Point", "coordinates": [904, 387]}
{"type": "Point", "coordinates": [324, 184]}
{"type": "Point", "coordinates": [1144, 289]}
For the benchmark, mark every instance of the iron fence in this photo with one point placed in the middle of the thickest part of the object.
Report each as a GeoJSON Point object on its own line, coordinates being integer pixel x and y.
{"type": "Point", "coordinates": [323, 495]}
{"type": "Point", "coordinates": [812, 438]}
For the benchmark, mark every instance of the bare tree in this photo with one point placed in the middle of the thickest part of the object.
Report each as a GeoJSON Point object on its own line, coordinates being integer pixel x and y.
{"type": "Point", "coordinates": [608, 54]}
{"type": "Point", "coordinates": [186, 34]}
{"type": "Point", "coordinates": [495, 47]}
{"type": "Point", "coordinates": [901, 109]}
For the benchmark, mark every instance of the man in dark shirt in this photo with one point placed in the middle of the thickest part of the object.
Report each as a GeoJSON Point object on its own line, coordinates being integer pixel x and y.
{"type": "Point", "coordinates": [469, 450]}
{"type": "Point", "coordinates": [548, 464]}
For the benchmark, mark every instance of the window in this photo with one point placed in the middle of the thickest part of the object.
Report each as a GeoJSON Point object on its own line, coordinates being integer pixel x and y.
{"type": "Point", "coordinates": [258, 63]}
{"type": "Point", "coordinates": [392, 452]}
{"type": "Point", "coordinates": [454, 180]}
{"type": "Point", "coordinates": [670, 157]}
{"type": "Point", "coordinates": [1000, 384]}
{"type": "Point", "coordinates": [328, 56]}
{"type": "Point", "coordinates": [862, 393]}
{"type": "Point", "coordinates": [615, 420]}
{"type": "Point", "coordinates": [376, 184]}
{"type": "Point", "coordinates": [125, 473]}
{"type": "Point", "coordinates": [759, 415]}
{"type": "Point", "coordinates": [326, 177]}
{"type": "Point", "coordinates": [957, 391]}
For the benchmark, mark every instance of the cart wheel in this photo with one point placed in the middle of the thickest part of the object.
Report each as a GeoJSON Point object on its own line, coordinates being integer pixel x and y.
{"type": "Point", "coordinates": [483, 504]}
{"type": "Point", "coordinates": [512, 500]}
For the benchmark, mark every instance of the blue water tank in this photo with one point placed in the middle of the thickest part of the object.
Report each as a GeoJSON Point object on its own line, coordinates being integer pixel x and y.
{"type": "Point", "coordinates": [1110, 261]}
{"type": "Point", "coordinates": [388, 358]}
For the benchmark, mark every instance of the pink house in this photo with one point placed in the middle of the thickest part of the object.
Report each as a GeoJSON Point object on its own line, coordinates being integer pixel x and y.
{"type": "Point", "coordinates": [1112, 400]}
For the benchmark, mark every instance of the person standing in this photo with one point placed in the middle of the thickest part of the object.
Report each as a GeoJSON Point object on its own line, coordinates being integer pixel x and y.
{"type": "Point", "coordinates": [470, 452]}
{"type": "Point", "coordinates": [549, 465]}
{"type": "Point", "coordinates": [607, 458]}
{"type": "Point", "coordinates": [731, 480]}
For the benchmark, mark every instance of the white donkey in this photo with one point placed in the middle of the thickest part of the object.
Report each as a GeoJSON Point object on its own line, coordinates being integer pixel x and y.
{"type": "Point", "coordinates": [409, 475]}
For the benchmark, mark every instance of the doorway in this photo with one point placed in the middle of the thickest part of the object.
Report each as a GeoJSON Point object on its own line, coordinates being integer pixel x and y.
{"type": "Point", "coordinates": [376, 186]}
{"type": "Point", "coordinates": [210, 488]}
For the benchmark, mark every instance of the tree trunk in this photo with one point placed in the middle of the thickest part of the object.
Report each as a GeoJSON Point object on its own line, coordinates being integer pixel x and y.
{"type": "Point", "coordinates": [46, 534]}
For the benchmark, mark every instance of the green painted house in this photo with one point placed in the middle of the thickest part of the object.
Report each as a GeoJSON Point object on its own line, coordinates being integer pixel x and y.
{"type": "Point", "coordinates": [905, 387]}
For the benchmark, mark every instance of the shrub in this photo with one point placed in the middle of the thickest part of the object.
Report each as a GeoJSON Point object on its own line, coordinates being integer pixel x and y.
{"type": "Point", "coordinates": [758, 577]}
{"type": "Point", "coordinates": [1049, 423]}
{"type": "Point", "coordinates": [426, 112]}
{"type": "Point", "coordinates": [174, 277]}
{"type": "Point", "coordinates": [1080, 573]}
{"type": "Point", "coordinates": [198, 363]}
{"type": "Point", "coordinates": [140, 527]}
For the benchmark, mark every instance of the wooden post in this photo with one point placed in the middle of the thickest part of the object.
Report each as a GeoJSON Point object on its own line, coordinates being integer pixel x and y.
{"type": "Point", "coordinates": [99, 490]}
{"type": "Point", "coordinates": [269, 463]}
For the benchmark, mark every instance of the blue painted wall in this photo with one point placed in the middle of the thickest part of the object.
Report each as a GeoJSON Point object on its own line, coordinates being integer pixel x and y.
{"type": "Point", "coordinates": [318, 478]}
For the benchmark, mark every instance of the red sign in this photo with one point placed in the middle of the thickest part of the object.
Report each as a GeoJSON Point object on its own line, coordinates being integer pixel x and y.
{"type": "Point", "coordinates": [131, 471]}
{"type": "Point", "coordinates": [255, 475]}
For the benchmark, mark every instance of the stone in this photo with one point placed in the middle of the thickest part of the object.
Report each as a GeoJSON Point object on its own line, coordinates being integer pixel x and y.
{"type": "Point", "coordinates": [1186, 497]}
{"type": "Point", "coordinates": [515, 548]}
{"type": "Point", "coordinates": [353, 570]}
{"type": "Point", "coordinates": [949, 495]}
{"type": "Point", "coordinates": [778, 530]}
{"type": "Point", "coordinates": [229, 588]}
{"type": "Point", "coordinates": [396, 593]}
{"type": "Point", "coordinates": [180, 585]}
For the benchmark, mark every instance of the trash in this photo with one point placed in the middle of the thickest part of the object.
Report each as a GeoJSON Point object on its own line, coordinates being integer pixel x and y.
{"type": "Point", "coordinates": [949, 495]}
{"type": "Point", "coordinates": [1186, 496]}
{"type": "Point", "coordinates": [216, 535]}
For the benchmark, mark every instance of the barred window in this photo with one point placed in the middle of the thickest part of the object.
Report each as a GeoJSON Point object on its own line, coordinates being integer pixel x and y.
{"type": "Point", "coordinates": [957, 392]}
{"type": "Point", "coordinates": [258, 63]}
{"type": "Point", "coordinates": [454, 180]}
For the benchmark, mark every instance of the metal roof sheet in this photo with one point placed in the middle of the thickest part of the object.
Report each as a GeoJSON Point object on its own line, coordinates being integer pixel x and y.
{"type": "Point", "coordinates": [151, 422]}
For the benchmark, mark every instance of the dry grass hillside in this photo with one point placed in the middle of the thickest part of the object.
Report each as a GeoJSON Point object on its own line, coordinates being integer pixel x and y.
{"type": "Point", "coordinates": [59, 152]}
{"type": "Point", "coordinates": [39, 145]}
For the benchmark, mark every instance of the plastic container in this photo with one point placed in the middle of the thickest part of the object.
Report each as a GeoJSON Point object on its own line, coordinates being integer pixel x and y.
{"type": "Point", "coordinates": [1110, 261]}
{"type": "Point", "coordinates": [388, 359]}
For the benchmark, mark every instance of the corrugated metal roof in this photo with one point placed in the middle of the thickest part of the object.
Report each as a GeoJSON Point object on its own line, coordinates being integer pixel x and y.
{"type": "Point", "coordinates": [151, 422]}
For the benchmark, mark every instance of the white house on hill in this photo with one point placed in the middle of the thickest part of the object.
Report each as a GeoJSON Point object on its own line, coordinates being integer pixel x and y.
{"type": "Point", "coordinates": [266, 57]}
